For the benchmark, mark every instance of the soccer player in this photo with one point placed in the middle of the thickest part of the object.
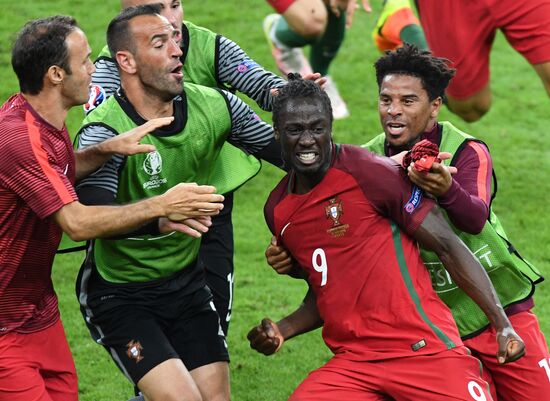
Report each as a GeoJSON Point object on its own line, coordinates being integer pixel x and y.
{"type": "Point", "coordinates": [352, 221]}
{"type": "Point", "coordinates": [464, 31]}
{"type": "Point", "coordinates": [37, 200]}
{"type": "Point", "coordinates": [411, 84]}
{"type": "Point", "coordinates": [211, 60]}
{"type": "Point", "coordinates": [319, 23]}
{"type": "Point", "coordinates": [143, 296]}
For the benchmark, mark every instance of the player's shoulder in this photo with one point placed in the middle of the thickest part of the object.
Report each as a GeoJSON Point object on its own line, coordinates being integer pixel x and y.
{"type": "Point", "coordinates": [196, 29]}
{"type": "Point", "coordinates": [275, 197]}
{"type": "Point", "coordinates": [356, 158]}
{"type": "Point", "coordinates": [13, 118]}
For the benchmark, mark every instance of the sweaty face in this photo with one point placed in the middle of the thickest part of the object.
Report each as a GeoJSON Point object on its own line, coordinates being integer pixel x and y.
{"type": "Point", "coordinates": [76, 84]}
{"type": "Point", "coordinates": [172, 10]}
{"type": "Point", "coordinates": [157, 56]}
{"type": "Point", "coordinates": [405, 110]}
{"type": "Point", "coordinates": [305, 133]}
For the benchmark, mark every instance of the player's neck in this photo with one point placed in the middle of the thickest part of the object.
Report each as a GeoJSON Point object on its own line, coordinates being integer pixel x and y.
{"type": "Point", "coordinates": [50, 106]}
{"type": "Point", "coordinates": [147, 104]}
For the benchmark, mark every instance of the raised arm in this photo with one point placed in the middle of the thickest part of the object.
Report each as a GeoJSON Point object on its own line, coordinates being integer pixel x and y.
{"type": "Point", "coordinates": [238, 71]}
{"type": "Point", "coordinates": [250, 133]}
{"type": "Point", "coordinates": [435, 234]}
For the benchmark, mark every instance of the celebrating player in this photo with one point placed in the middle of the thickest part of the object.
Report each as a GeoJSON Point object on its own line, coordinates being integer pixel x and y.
{"type": "Point", "coordinates": [160, 325]}
{"type": "Point", "coordinates": [351, 221]}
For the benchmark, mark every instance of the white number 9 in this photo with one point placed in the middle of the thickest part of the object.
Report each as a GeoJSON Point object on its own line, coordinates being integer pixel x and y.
{"type": "Point", "coordinates": [319, 255]}
{"type": "Point", "coordinates": [476, 391]}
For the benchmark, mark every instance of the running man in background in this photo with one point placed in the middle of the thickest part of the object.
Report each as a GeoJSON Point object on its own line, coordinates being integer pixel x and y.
{"type": "Point", "coordinates": [464, 31]}
{"type": "Point", "coordinates": [352, 221]}
{"type": "Point", "coordinates": [51, 58]}
{"type": "Point", "coordinates": [144, 296]}
{"type": "Point", "coordinates": [320, 24]}
{"type": "Point", "coordinates": [215, 61]}
{"type": "Point", "coordinates": [396, 25]}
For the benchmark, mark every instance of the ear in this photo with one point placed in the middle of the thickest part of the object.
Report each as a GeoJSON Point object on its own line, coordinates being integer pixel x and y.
{"type": "Point", "coordinates": [55, 75]}
{"type": "Point", "coordinates": [436, 106]}
{"type": "Point", "coordinates": [126, 61]}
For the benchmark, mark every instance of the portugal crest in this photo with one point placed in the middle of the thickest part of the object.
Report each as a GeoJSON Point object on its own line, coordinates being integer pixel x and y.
{"type": "Point", "coordinates": [334, 211]}
{"type": "Point", "coordinates": [133, 350]}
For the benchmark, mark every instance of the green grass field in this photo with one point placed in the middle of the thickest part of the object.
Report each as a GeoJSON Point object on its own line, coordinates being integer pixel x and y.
{"type": "Point", "coordinates": [516, 131]}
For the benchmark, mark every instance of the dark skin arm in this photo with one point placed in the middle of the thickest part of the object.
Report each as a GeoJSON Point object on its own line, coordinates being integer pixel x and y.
{"type": "Point", "coordinates": [268, 337]}
{"type": "Point", "coordinates": [435, 234]}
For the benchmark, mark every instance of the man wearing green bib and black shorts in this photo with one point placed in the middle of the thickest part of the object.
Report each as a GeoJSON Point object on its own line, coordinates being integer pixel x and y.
{"type": "Point", "coordinates": [144, 297]}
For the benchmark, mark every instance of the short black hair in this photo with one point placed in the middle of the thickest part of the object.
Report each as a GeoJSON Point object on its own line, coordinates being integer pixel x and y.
{"type": "Point", "coordinates": [434, 72]}
{"type": "Point", "coordinates": [39, 45]}
{"type": "Point", "coordinates": [118, 33]}
{"type": "Point", "coordinates": [299, 88]}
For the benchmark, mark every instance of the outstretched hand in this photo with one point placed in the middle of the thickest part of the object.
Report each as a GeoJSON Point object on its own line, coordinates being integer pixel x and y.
{"type": "Point", "coordinates": [510, 346]}
{"type": "Point", "coordinates": [438, 180]}
{"type": "Point", "coordinates": [266, 337]}
{"type": "Point", "coordinates": [189, 200]}
{"type": "Point", "coordinates": [128, 143]}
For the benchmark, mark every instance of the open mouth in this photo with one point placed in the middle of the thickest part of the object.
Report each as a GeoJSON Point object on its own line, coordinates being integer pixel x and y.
{"type": "Point", "coordinates": [395, 128]}
{"type": "Point", "coordinates": [178, 71]}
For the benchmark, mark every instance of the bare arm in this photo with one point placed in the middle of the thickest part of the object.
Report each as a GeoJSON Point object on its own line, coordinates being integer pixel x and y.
{"type": "Point", "coordinates": [179, 203]}
{"type": "Point", "coordinates": [268, 337]}
{"type": "Point", "coordinates": [92, 157]}
{"type": "Point", "coordinates": [435, 234]}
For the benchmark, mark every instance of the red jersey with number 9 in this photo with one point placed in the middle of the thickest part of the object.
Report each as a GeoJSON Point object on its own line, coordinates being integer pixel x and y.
{"type": "Point", "coordinates": [351, 234]}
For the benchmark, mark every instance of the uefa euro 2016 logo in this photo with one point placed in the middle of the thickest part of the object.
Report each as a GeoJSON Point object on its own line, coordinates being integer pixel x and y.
{"type": "Point", "coordinates": [152, 163]}
{"type": "Point", "coordinates": [97, 96]}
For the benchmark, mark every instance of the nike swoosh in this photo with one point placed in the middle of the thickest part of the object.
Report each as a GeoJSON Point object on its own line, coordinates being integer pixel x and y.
{"type": "Point", "coordinates": [284, 228]}
{"type": "Point", "coordinates": [66, 169]}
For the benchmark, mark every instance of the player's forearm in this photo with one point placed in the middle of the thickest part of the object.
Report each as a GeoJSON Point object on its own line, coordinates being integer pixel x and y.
{"type": "Point", "coordinates": [91, 158]}
{"type": "Point", "coordinates": [435, 234]}
{"type": "Point", "coordinates": [467, 212]}
{"type": "Point", "coordinates": [470, 276]}
{"type": "Point", "coordinates": [304, 319]}
{"type": "Point", "coordinates": [240, 72]}
{"type": "Point", "coordinates": [86, 222]}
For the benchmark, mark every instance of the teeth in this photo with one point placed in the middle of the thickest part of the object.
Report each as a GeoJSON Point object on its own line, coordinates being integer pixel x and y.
{"type": "Point", "coordinates": [306, 156]}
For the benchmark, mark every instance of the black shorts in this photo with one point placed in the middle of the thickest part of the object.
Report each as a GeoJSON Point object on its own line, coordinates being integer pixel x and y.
{"type": "Point", "coordinates": [216, 254]}
{"type": "Point", "coordinates": [143, 325]}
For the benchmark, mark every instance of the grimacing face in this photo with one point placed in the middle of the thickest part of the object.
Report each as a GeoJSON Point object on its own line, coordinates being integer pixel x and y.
{"type": "Point", "coordinates": [76, 85]}
{"type": "Point", "coordinates": [405, 110]}
{"type": "Point", "coordinates": [157, 56]}
{"type": "Point", "coordinates": [305, 133]}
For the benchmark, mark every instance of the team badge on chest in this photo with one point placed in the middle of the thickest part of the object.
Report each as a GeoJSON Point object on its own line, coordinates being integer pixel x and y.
{"type": "Point", "coordinates": [334, 211]}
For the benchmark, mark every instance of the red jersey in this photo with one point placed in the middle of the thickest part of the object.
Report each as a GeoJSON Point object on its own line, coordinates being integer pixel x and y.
{"type": "Point", "coordinates": [350, 234]}
{"type": "Point", "coordinates": [37, 170]}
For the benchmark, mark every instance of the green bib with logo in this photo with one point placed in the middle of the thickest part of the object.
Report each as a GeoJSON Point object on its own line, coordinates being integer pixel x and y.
{"type": "Point", "coordinates": [512, 276]}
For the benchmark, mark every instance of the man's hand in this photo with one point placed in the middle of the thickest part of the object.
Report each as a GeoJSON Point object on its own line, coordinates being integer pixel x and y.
{"type": "Point", "coordinates": [349, 6]}
{"type": "Point", "coordinates": [266, 337]}
{"type": "Point", "coordinates": [185, 201]}
{"type": "Point", "coordinates": [314, 76]}
{"type": "Point", "coordinates": [438, 180]}
{"type": "Point", "coordinates": [510, 346]}
{"type": "Point", "coordinates": [192, 227]}
{"type": "Point", "coordinates": [278, 257]}
{"type": "Point", "coordinates": [127, 144]}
